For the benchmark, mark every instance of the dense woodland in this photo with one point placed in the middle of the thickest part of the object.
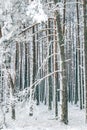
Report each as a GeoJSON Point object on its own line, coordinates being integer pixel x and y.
{"type": "Point", "coordinates": [43, 55]}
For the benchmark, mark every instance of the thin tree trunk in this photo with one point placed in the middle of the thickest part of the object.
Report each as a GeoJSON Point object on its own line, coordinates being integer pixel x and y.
{"type": "Point", "coordinates": [21, 55]}
{"type": "Point", "coordinates": [85, 42]}
{"type": "Point", "coordinates": [12, 95]}
{"type": "Point", "coordinates": [17, 65]}
{"type": "Point", "coordinates": [55, 69]}
{"type": "Point", "coordinates": [49, 69]}
{"type": "Point", "coordinates": [26, 64]}
{"type": "Point", "coordinates": [78, 54]}
{"type": "Point", "coordinates": [37, 66]}
{"type": "Point", "coordinates": [0, 32]}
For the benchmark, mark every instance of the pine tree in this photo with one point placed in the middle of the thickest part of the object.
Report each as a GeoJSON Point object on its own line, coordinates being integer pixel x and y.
{"type": "Point", "coordinates": [64, 116]}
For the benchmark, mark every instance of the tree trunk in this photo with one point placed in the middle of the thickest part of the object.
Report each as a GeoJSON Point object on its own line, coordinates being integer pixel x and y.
{"type": "Point", "coordinates": [21, 56]}
{"type": "Point", "coordinates": [78, 55]}
{"type": "Point", "coordinates": [17, 65]}
{"type": "Point", "coordinates": [0, 32]}
{"type": "Point", "coordinates": [85, 42]}
{"type": "Point", "coordinates": [55, 69]}
{"type": "Point", "coordinates": [34, 73]}
{"type": "Point", "coordinates": [64, 116]}
{"type": "Point", "coordinates": [37, 66]}
{"type": "Point", "coordinates": [49, 69]}
{"type": "Point", "coordinates": [11, 84]}
{"type": "Point", "coordinates": [26, 64]}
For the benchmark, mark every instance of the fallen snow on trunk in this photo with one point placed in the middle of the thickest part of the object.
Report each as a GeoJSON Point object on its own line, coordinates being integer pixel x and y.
{"type": "Point", "coordinates": [43, 120]}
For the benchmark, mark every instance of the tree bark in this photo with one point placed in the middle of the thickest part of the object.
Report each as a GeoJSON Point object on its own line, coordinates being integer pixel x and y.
{"type": "Point", "coordinates": [0, 32]}
{"type": "Point", "coordinates": [64, 116]}
{"type": "Point", "coordinates": [17, 65]}
{"type": "Point", "coordinates": [11, 84]}
{"type": "Point", "coordinates": [26, 64]}
{"type": "Point", "coordinates": [55, 69]}
{"type": "Point", "coordinates": [85, 42]}
{"type": "Point", "coordinates": [78, 55]}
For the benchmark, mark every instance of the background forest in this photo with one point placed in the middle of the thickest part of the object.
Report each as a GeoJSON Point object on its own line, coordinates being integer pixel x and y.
{"type": "Point", "coordinates": [43, 63]}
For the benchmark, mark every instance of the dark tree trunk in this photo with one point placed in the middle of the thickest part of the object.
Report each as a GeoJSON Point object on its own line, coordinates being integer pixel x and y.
{"type": "Point", "coordinates": [49, 69]}
{"type": "Point", "coordinates": [64, 82]}
{"type": "Point", "coordinates": [55, 69]}
{"type": "Point", "coordinates": [34, 72]}
{"type": "Point", "coordinates": [11, 84]}
{"type": "Point", "coordinates": [78, 54]}
{"type": "Point", "coordinates": [85, 39]}
{"type": "Point", "coordinates": [0, 32]}
{"type": "Point", "coordinates": [26, 64]}
{"type": "Point", "coordinates": [17, 65]}
{"type": "Point", "coordinates": [21, 56]}
{"type": "Point", "coordinates": [37, 66]}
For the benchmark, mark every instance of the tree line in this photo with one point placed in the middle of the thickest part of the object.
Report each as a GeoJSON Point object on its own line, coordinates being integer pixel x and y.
{"type": "Point", "coordinates": [47, 61]}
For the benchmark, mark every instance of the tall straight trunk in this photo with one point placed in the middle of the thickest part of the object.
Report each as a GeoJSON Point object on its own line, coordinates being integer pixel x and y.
{"type": "Point", "coordinates": [55, 69]}
{"type": "Point", "coordinates": [11, 84]}
{"type": "Point", "coordinates": [26, 64]}
{"type": "Point", "coordinates": [49, 70]}
{"type": "Point", "coordinates": [34, 56]}
{"type": "Point", "coordinates": [64, 116]}
{"type": "Point", "coordinates": [46, 70]}
{"type": "Point", "coordinates": [48, 83]}
{"type": "Point", "coordinates": [21, 56]}
{"type": "Point", "coordinates": [85, 42]}
{"type": "Point", "coordinates": [64, 16]}
{"type": "Point", "coordinates": [34, 72]}
{"type": "Point", "coordinates": [17, 65]}
{"type": "Point", "coordinates": [78, 55]}
{"type": "Point", "coordinates": [42, 74]}
{"type": "Point", "coordinates": [0, 32]}
{"type": "Point", "coordinates": [37, 66]}
{"type": "Point", "coordinates": [69, 65]}
{"type": "Point", "coordinates": [76, 86]}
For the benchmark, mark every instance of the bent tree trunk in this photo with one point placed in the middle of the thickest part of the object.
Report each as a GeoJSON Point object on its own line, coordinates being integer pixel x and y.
{"type": "Point", "coordinates": [64, 116]}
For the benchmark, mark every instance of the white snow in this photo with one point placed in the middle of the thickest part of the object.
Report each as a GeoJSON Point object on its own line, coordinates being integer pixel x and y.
{"type": "Point", "coordinates": [44, 120]}
{"type": "Point", "coordinates": [35, 11]}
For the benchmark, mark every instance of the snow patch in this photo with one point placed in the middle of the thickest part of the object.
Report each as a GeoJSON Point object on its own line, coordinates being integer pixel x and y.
{"type": "Point", "coordinates": [36, 12]}
{"type": "Point", "coordinates": [42, 119]}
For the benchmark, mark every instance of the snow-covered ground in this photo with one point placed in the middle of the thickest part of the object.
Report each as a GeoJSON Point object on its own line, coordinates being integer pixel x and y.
{"type": "Point", "coordinates": [44, 120]}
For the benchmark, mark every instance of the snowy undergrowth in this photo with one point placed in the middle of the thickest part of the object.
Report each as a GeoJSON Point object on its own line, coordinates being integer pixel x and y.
{"type": "Point", "coordinates": [42, 119]}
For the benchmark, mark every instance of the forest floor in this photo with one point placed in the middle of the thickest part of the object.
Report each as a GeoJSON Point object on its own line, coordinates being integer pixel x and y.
{"type": "Point", "coordinates": [44, 120]}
